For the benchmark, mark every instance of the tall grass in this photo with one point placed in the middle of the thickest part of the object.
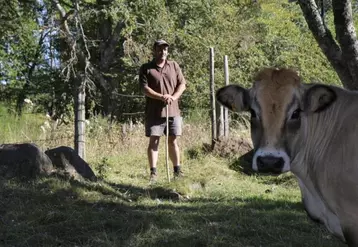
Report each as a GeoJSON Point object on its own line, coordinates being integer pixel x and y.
{"type": "Point", "coordinates": [19, 129]}
{"type": "Point", "coordinates": [213, 205]}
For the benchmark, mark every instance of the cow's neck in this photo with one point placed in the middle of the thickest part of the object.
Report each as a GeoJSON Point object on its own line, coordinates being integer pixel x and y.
{"type": "Point", "coordinates": [317, 209]}
{"type": "Point", "coordinates": [314, 143]}
{"type": "Point", "coordinates": [315, 140]}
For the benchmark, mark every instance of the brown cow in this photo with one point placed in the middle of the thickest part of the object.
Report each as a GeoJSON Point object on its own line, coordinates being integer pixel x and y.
{"type": "Point", "coordinates": [312, 131]}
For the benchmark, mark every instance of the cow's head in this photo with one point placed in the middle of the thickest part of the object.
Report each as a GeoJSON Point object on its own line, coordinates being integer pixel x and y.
{"type": "Point", "coordinates": [278, 103]}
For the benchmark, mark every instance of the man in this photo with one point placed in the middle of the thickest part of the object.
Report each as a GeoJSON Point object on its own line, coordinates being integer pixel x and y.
{"type": "Point", "coordinates": [163, 83]}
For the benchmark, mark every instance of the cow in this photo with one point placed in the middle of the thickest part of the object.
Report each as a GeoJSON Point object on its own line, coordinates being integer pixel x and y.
{"type": "Point", "coordinates": [310, 129]}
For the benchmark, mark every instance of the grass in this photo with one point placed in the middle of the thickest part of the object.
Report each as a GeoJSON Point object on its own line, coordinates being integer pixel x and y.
{"type": "Point", "coordinates": [221, 206]}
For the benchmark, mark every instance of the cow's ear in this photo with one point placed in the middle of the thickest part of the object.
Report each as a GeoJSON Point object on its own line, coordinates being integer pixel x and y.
{"type": "Point", "coordinates": [234, 97]}
{"type": "Point", "coordinates": [318, 97]}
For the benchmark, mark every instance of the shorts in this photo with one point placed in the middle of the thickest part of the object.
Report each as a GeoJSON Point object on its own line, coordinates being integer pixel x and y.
{"type": "Point", "coordinates": [157, 127]}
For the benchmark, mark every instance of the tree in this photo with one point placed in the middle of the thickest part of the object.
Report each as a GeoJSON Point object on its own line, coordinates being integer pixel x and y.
{"type": "Point", "coordinates": [22, 44]}
{"type": "Point", "coordinates": [342, 51]}
{"type": "Point", "coordinates": [78, 67]}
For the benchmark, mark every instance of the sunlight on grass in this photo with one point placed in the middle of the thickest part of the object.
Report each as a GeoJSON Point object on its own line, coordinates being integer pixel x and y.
{"type": "Point", "coordinates": [213, 205]}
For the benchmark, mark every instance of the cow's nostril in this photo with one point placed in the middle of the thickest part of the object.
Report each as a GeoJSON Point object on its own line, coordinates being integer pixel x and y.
{"type": "Point", "coordinates": [279, 163]}
{"type": "Point", "coordinates": [260, 162]}
{"type": "Point", "coordinates": [270, 162]}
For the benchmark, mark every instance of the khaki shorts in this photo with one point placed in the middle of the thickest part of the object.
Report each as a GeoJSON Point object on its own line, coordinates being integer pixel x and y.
{"type": "Point", "coordinates": [157, 127]}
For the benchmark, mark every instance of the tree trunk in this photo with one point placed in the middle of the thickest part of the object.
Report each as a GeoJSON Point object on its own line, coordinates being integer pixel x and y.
{"type": "Point", "coordinates": [346, 36]}
{"type": "Point", "coordinates": [343, 58]}
{"type": "Point", "coordinates": [108, 49]}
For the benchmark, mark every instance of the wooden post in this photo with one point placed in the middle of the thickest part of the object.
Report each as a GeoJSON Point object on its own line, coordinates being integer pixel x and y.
{"type": "Point", "coordinates": [212, 98]}
{"type": "Point", "coordinates": [220, 122]}
{"type": "Point", "coordinates": [166, 142]}
{"type": "Point", "coordinates": [80, 124]}
{"type": "Point", "coordinates": [226, 111]}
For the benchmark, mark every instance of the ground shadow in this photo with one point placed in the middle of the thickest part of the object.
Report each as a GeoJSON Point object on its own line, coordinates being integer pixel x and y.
{"type": "Point", "coordinates": [126, 192]}
{"type": "Point", "coordinates": [243, 163]}
{"type": "Point", "coordinates": [54, 213]}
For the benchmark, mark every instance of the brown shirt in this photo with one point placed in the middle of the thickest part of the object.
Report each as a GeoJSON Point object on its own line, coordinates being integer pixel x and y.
{"type": "Point", "coordinates": [164, 81]}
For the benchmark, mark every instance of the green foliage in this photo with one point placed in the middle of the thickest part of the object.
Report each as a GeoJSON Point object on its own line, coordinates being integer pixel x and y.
{"type": "Point", "coordinates": [251, 33]}
{"type": "Point", "coordinates": [18, 48]}
{"type": "Point", "coordinates": [287, 41]}
{"type": "Point", "coordinates": [25, 58]}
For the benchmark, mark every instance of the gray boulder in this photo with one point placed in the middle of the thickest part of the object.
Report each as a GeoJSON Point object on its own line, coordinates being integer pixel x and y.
{"type": "Point", "coordinates": [23, 160]}
{"type": "Point", "coordinates": [68, 163]}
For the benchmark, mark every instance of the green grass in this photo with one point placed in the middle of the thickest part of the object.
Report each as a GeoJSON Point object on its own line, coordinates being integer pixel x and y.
{"type": "Point", "coordinates": [221, 206]}
{"type": "Point", "coordinates": [15, 129]}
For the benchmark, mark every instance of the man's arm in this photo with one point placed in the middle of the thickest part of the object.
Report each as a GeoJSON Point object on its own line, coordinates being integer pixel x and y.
{"type": "Point", "coordinates": [152, 94]}
{"type": "Point", "coordinates": [179, 91]}
{"type": "Point", "coordinates": [181, 83]}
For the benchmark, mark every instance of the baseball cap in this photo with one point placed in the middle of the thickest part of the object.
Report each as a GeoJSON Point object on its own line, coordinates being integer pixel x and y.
{"type": "Point", "coordinates": [160, 42]}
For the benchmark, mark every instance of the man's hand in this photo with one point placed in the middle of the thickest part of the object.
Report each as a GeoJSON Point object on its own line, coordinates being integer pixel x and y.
{"type": "Point", "coordinates": [168, 99]}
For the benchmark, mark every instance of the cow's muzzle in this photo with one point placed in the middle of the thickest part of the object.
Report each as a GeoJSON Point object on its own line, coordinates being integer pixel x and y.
{"type": "Point", "coordinates": [269, 163]}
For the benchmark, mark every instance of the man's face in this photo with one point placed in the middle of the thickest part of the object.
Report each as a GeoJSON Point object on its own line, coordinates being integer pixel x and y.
{"type": "Point", "coordinates": [161, 52]}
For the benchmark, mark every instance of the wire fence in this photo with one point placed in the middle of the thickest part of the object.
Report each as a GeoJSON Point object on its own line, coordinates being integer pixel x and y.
{"type": "Point", "coordinates": [220, 126]}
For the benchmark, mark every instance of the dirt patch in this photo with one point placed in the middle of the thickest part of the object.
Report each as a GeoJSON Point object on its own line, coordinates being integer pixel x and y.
{"type": "Point", "coordinates": [232, 146]}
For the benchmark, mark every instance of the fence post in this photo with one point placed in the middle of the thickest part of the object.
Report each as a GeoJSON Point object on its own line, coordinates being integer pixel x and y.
{"type": "Point", "coordinates": [226, 111]}
{"type": "Point", "coordinates": [212, 98]}
{"type": "Point", "coordinates": [80, 109]}
{"type": "Point", "coordinates": [220, 122]}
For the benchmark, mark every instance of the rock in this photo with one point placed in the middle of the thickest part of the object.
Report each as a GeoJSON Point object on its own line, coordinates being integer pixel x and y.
{"type": "Point", "coordinates": [67, 162]}
{"type": "Point", "coordinates": [23, 160]}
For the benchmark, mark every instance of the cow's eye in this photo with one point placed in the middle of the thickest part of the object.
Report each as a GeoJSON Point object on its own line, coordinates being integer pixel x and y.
{"type": "Point", "coordinates": [253, 113]}
{"type": "Point", "coordinates": [296, 114]}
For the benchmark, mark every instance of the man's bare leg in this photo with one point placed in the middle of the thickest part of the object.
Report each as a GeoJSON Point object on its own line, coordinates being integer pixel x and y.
{"type": "Point", "coordinates": [174, 153]}
{"type": "Point", "coordinates": [153, 153]}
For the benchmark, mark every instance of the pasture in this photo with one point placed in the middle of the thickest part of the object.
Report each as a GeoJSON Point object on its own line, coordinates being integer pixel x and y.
{"type": "Point", "coordinates": [216, 204]}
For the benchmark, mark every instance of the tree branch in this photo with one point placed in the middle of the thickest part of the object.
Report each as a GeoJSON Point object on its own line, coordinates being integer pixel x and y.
{"type": "Point", "coordinates": [326, 41]}
{"type": "Point", "coordinates": [62, 12]}
{"type": "Point", "coordinates": [70, 39]}
{"type": "Point", "coordinates": [107, 49]}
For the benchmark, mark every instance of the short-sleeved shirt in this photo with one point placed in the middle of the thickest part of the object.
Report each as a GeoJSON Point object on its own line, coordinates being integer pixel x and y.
{"type": "Point", "coordinates": [164, 81]}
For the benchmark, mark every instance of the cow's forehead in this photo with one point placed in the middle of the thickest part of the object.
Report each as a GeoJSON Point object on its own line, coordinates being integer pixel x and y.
{"type": "Point", "coordinates": [274, 87]}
